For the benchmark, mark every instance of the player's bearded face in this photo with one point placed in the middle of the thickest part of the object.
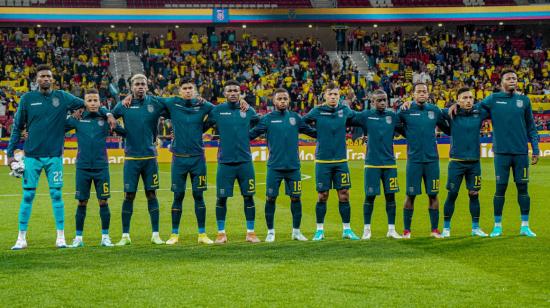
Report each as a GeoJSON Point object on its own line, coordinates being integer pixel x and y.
{"type": "Point", "coordinates": [92, 103]}
{"type": "Point", "coordinates": [281, 101]}
{"type": "Point", "coordinates": [232, 93]}
{"type": "Point", "coordinates": [509, 82]}
{"type": "Point", "coordinates": [466, 100]}
{"type": "Point", "coordinates": [44, 79]}
{"type": "Point", "coordinates": [187, 91]}
{"type": "Point", "coordinates": [380, 102]}
{"type": "Point", "coordinates": [421, 94]}
{"type": "Point", "coordinates": [332, 97]}
{"type": "Point", "coordinates": [139, 87]}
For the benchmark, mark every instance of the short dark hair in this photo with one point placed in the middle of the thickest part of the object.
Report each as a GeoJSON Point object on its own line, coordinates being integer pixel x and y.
{"type": "Point", "coordinates": [419, 84]}
{"type": "Point", "coordinates": [232, 82]}
{"type": "Point", "coordinates": [507, 71]}
{"type": "Point", "coordinates": [279, 90]}
{"type": "Point", "coordinates": [92, 91]}
{"type": "Point", "coordinates": [462, 90]}
{"type": "Point", "coordinates": [185, 80]}
{"type": "Point", "coordinates": [331, 86]}
{"type": "Point", "coordinates": [43, 67]}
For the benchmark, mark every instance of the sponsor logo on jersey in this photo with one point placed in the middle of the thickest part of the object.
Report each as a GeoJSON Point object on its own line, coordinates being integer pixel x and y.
{"type": "Point", "coordinates": [85, 121]}
{"type": "Point", "coordinates": [415, 114]}
{"type": "Point", "coordinates": [292, 121]}
{"type": "Point", "coordinates": [36, 104]}
{"type": "Point", "coordinates": [325, 113]}
{"type": "Point", "coordinates": [501, 102]}
{"type": "Point", "coordinates": [225, 113]}
{"type": "Point", "coordinates": [519, 103]}
{"type": "Point", "coordinates": [150, 108]}
{"type": "Point", "coordinates": [55, 102]}
{"type": "Point", "coordinates": [373, 118]}
{"type": "Point", "coordinates": [388, 119]}
{"type": "Point", "coordinates": [431, 115]}
{"type": "Point", "coordinates": [277, 121]}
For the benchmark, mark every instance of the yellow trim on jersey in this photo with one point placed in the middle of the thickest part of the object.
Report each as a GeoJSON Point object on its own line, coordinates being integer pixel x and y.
{"type": "Point", "coordinates": [184, 155]}
{"type": "Point", "coordinates": [383, 167]}
{"type": "Point", "coordinates": [458, 159]}
{"type": "Point", "coordinates": [139, 158]}
{"type": "Point", "coordinates": [320, 161]}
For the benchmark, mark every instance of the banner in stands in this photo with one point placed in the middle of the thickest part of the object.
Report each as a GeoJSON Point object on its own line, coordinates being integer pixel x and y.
{"type": "Point", "coordinates": [260, 153]}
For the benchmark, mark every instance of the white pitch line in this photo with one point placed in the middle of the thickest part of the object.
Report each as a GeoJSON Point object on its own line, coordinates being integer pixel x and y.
{"type": "Point", "coordinates": [305, 177]}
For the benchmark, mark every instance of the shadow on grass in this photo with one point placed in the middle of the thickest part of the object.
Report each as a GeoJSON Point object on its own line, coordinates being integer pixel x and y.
{"type": "Point", "coordinates": [461, 249]}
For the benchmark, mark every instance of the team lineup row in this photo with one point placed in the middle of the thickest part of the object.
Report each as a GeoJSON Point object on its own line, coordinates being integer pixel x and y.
{"type": "Point", "coordinates": [42, 114]}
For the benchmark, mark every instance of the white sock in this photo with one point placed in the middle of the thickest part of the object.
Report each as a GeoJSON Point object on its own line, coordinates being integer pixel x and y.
{"type": "Point", "coordinates": [525, 223]}
{"type": "Point", "coordinates": [78, 238]}
{"type": "Point", "coordinates": [346, 226]}
{"type": "Point", "coordinates": [320, 227]}
{"type": "Point", "coordinates": [60, 233]}
{"type": "Point", "coordinates": [22, 235]}
{"type": "Point", "coordinates": [391, 227]}
{"type": "Point", "coordinates": [271, 231]}
{"type": "Point", "coordinates": [126, 235]}
{"type": "Point", "coordinates": [295, 231]}
{"type": "Point", "coordinates": [498, 224]}
{"type": "Point", "coordinates": [249, 230]}
{"type": "Point", "coordinates": [367, 227]}
{"type": "Point", "coordinates": [155, 234]}
{"type": "Point", "coordinates": [221, 231]}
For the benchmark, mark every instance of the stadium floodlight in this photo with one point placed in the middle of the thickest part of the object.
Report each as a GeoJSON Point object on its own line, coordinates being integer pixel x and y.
{"type": "Point", "coordinates": [112, 26]}
{"type": "Point", "coordinates": [440, 25]}
{"type": "Point", "coordinates": [39, 26]}
{"type": "Point", "coordinates": [244, 26]}
{"type": "Point", "coordinates": [375, 25]}
{"type": "Point", "coordinates": [310, 26]}
{"type": "Point", "coordinates": [501, 23]}
{"type": "Point", "coordinates": [177, 26]}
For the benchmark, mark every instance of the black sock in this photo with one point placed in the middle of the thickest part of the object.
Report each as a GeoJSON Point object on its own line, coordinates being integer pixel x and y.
{"type": "Point", "coordinates": [269, 213]}
{"type": "Point", "coordinates": [320, 211]}
{"type": "Point", "coordinates": [79, 218]}
{"type": "Point", "coordinates": [127, 210]}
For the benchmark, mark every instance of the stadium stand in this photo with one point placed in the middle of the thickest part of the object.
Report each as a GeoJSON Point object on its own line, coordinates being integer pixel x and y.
{"type": "Point", "coordinates": [218, 3]}
{"type": "Point", "coordinates": [446, 60]}
{"type": "Point", "coordinates": [52, 3]}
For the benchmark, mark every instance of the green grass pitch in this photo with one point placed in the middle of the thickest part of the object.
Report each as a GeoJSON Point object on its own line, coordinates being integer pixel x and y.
{"type": "Point", "coordinates": [464, 271]}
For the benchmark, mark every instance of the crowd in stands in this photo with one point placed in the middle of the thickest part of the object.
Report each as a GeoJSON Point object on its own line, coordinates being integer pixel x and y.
{"type": "Point", "coordinates": [446, 60]}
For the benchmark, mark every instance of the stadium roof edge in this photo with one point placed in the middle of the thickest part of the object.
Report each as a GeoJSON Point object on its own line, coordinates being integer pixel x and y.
{"type": "Point", "coordinates": [231, 16]}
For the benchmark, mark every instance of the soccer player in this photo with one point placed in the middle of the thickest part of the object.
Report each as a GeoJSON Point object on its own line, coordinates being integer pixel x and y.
{"type": "Point", "coordinates": [282, 128]}
{"type": "Point", "coordinates": [331, 166]}
{"type": "Point", "coordinates": [513, 128]}
{"type": "Point", "coordinates": [140, 121]}
{"type": "Point", "coordinates": [43, 114]}
{"type": "Point", "coordinates": [234, 158]}
{"type": "Point", "coordinates": [419, 121]}
{"type": "Point", "coordinates": [188, 115]}
{"type": "Point", "coordinates": [92, 165]}
{"type": "Point", "coordinates": [464, 159]}
{"type": "Point", "coordinates": [379, 125]}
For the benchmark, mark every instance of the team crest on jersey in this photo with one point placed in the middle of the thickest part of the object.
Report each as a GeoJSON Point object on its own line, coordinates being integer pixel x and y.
{"type": "Point", "coordinates": [242, 114]}
{"type": "Point", "coordinates": [431, 115]}
{"type": "Point", "coordinates": [100, 122]}
{"type": "Point", "coordinates": [55, 102]}
{"type": "Point", "coordinates": [150, 108]}
{"type": "Point", "coordinates": [292, 121]}
{"type": "Point", "coordinates": [340, 113]}
{"type": "Point", "coordinates": [519, 103]}
{"type": "Point", "coordinates": [388, 119]}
